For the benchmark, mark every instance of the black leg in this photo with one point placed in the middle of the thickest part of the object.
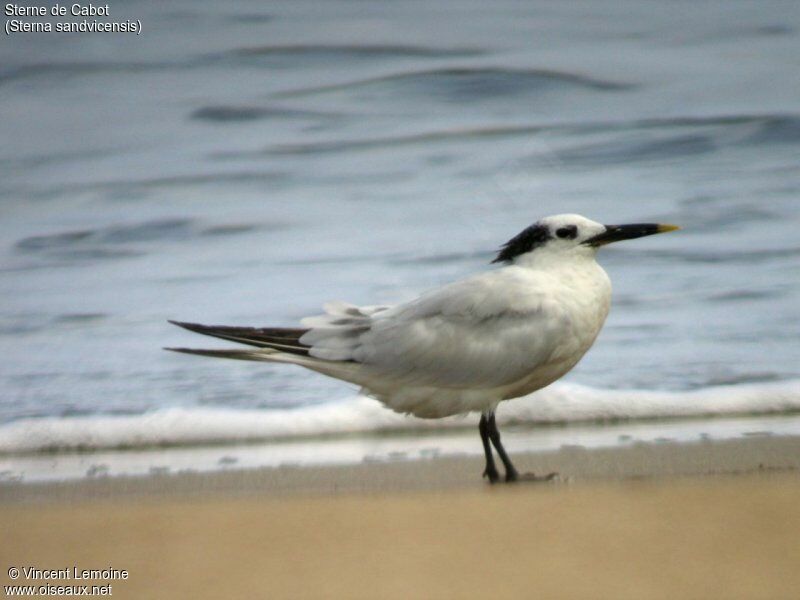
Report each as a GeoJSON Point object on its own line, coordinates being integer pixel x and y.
{"type": "Point", "coordinates": [494, 435]}
{"type": "Point", "coordinates": [491, 470]}
{"type": "Point", "coordinates": [511, 473]}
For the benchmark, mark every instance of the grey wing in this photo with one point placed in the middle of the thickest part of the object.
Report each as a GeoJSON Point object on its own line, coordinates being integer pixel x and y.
{"type": "Point", "coordinates": [337, 334]}
{"type": "Point", "coordinates": [463, 335]}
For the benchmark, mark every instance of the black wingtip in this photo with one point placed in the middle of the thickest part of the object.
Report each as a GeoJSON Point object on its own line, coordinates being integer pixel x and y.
{"type": "Point", "coordinates": [199, 351]}
{"type": "Point", "coordinates": [196, 327]}
{"type": "Point", "coordinates": [277, 338]}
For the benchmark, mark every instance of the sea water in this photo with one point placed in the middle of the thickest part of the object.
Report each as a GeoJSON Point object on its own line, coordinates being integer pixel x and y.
{"type": "Point", "coordinates": [243, 163]}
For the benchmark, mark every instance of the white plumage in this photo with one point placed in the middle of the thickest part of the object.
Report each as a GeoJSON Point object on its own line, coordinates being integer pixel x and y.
{"type": "Point", "coordinates": [468, 345]}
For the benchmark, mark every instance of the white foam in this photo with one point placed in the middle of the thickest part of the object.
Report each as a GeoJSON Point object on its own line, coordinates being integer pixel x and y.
{"type": "Point", "coordinates": [558, 403]}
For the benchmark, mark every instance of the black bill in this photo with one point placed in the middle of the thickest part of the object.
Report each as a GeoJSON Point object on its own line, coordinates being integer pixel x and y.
{"type": "Point", "coordinates": [617, 233]}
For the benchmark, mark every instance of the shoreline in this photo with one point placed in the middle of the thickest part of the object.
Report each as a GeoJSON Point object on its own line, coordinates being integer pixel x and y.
{"type": "Point", "coordinates": [575, 465]}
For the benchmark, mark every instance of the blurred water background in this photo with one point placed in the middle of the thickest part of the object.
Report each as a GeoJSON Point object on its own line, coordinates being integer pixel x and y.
{"type": "Point", "coordinates": [245, 162]}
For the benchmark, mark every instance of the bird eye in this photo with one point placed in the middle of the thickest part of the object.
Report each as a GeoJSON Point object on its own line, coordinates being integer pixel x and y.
{"type": "Point", "coordinates": [569, 232]}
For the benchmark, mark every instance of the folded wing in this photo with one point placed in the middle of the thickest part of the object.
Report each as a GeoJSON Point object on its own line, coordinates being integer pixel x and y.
{"type": "Point", "coordinates": [464, 335]}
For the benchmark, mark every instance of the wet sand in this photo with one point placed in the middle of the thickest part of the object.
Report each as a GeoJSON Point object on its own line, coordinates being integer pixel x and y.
{"type": "Point", "coordinates": [710, 520]}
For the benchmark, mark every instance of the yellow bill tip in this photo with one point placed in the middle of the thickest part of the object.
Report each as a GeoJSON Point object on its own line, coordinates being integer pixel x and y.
{"type": "Point", "coordinates": [665, 227]}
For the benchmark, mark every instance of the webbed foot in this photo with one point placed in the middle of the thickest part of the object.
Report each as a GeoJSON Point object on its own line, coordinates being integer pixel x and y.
{"type": "Point", "coordinates": [530, 477]}
{"type": "Point", "coordinates": [492, 475]}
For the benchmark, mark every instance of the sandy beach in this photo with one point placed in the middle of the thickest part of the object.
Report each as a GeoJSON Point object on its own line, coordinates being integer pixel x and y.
{"type": "Point", "coordinates": [408, 197]}
{"type": "Point", "coordinates": [710, 520]}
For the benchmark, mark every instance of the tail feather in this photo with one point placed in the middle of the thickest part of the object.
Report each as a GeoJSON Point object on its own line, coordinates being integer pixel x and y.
{"type": "Point", "coordinates": [260, 355]}
{"type": "Point", "coordinates": [276, 338]}
{"type": "Point", "coordinates": [271, 345]}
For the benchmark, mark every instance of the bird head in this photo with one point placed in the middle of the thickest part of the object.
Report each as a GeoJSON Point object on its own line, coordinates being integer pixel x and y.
{"type": "Point", "coordinates": [562, 235]}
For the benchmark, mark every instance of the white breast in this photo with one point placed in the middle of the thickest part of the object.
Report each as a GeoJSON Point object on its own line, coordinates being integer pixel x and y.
{"type": "Point", "coordinates": [513, 333]}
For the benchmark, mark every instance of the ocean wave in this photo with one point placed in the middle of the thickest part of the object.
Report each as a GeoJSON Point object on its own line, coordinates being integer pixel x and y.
{"type": "Point", "coordinates": [93, 243]}
{"type": "Point", "coordinates": [676, 147]}
{"type": "Point", "coordinates": [328, 52]}
{"type": "Point", "coordinates": [81, 69]}
{"type": "Point", "coordinates": [379, 143]}
{"type": "Point", "coordinates": [237, 114]}
{"type": "Point", "coordinates": [780, 129]}
{"type": "Point", "coordinates": [137, 188]}
{"type": "Point", "coordinates": [560, 403]}
{"type": "Point", "coordinates": [711, 256]}
{"type": "Point", "coordinates": [292, 55]}
{"type": "Point", "coordinates": [464, 84]}
{"type": "Point", "coordinates": [664, 141]}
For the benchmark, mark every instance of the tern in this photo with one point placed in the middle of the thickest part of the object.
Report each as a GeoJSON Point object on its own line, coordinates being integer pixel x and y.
{"type": "Point", "coordinates": [466, 346]}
